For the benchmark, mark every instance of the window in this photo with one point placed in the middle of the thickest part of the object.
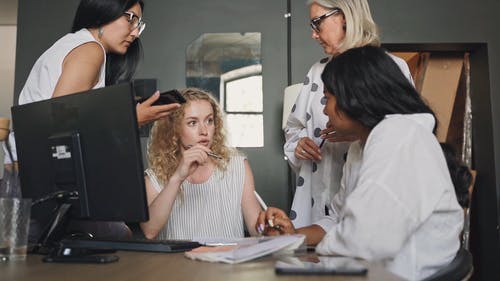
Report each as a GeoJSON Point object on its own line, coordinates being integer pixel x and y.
{"type": "Point", "coordinates": [242, 100]}
{"type": "Point", "coordinates": [229, 66]}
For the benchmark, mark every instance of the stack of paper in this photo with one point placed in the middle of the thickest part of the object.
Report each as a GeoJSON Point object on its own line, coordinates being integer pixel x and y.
{"type": "Point", "coordinates": [241, 250]}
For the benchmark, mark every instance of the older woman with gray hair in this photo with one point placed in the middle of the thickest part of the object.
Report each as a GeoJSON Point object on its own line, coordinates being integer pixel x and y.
{"type": "Point", "coordinates": [314, 150]}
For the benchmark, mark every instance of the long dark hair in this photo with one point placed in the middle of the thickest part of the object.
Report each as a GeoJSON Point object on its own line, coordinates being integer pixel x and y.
{"type": "Point", "coordinates": [368, 85]}
{"type": "Point", "coordinates": [460, 174]}
{"type": "Point", "coordinates": [96, 13]}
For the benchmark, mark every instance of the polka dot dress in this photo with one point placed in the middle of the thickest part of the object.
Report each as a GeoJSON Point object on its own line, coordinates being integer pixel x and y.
{"type": "Point", "coordinates": [316, 182]}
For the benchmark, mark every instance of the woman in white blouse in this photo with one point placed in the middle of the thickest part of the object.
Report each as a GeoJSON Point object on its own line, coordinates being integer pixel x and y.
{"type": "Point", "coordinates": [397, 203]}
{"type": "Point", "coordinates": [197, 187]}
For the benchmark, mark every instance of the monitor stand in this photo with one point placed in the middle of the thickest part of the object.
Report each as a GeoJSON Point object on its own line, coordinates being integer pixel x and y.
{"type": "Point", "coordinates": [50, 244]}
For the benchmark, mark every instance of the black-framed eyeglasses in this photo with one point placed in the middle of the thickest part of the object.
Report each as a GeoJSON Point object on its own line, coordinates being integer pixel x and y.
{"type": "Point", "coordinates": [135, 22]}
{"type": "Point", "coordinates": [316, 22]}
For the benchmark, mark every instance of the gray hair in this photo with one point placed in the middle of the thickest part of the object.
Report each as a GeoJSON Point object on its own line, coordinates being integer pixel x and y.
{"type": "Point", "coordinates": [360, 29]}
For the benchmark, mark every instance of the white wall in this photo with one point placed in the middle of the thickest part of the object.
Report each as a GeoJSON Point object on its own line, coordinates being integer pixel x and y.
{"type": "Point", "coordinates": [7, 63]}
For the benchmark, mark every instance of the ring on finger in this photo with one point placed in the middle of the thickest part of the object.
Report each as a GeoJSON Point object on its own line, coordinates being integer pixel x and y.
{"type": "Point", "coordinates": [303, 152]}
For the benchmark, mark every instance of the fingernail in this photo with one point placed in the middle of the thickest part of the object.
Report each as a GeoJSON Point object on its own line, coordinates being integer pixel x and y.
{"type": "Point", "coordinates": [270, 222]}
{"type": "Point", "coordinates": [260, 228]}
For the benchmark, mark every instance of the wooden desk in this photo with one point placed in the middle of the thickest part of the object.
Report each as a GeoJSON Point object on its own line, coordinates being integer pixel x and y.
{"type": "Point", "coordinates": [138, 266]}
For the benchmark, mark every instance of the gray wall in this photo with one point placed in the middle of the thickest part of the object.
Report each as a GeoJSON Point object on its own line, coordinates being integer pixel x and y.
{"type": "Point", "coordinates": [173, 24]}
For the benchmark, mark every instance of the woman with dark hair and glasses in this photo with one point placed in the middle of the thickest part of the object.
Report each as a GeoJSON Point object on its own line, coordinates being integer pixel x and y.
{"type": "Point", "coordinates": [102, 49]}
{"type": "Point", "coordinates": [314, 151]}
{"type": "Point", "coordinates": [397, 202]}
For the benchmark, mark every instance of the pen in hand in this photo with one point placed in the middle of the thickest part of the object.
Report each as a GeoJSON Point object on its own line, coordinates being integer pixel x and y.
{"type": "Point", "coordinates": [323, 141]}
{"type": "Point", "coordinates": [209, 153]}
{"type": "Point", "coordinates": [213, 155]}
{"type": "Point", "coordinates": [264, 207]}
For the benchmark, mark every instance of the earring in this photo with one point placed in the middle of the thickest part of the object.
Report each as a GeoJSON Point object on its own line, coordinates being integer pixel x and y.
{"type": "Point", "coordinates": [100, 32]}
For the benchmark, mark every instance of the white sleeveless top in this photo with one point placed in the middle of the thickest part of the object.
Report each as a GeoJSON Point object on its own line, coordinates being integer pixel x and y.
{"type": "Point", "coordinates": [209, 209]}
{"type": "Point", "coordinates": [45, 73]}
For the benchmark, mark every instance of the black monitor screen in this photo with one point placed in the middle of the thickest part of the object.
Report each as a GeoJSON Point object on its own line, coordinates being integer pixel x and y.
{"type": "Point", "coordinates": [86, 143]}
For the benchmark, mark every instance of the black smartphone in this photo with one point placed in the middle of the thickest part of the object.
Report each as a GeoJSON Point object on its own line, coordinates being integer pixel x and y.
{"type": "Point", "coordinates": [172, 96]}
{"type": "Point", "coordinates": [320, 266]}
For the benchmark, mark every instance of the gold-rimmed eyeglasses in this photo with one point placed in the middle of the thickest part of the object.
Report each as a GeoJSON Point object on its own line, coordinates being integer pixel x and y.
{"type": "Point", "coordinates": [316, 22]}
{"type": "Point", "coordinates": [135, 21]}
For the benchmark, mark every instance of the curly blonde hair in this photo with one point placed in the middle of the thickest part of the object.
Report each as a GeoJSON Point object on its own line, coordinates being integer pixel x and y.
{"type": "Point", "coordinates": [164, 144]}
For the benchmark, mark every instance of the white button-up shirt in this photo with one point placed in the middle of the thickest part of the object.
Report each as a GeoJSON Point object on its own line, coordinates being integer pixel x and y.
{"type": "Point", "coordinates": [397, 203]}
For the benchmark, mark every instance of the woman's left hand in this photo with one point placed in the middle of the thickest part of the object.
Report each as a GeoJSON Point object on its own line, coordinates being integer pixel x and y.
{"type": "Point", "coordinates": [307, 149]}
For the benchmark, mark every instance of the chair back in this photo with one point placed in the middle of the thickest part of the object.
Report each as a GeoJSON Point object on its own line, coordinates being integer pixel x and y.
{"type": "Point", "coordinates": [290, 96]}
{"type": "Point", "coordinates": [460, 268]}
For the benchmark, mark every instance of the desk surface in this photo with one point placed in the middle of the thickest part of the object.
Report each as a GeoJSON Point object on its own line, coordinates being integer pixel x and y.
{"type": "Point", "coordinates": [135, 266]}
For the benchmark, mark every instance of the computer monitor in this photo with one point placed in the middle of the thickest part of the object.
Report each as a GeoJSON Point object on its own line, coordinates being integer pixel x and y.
{"type": "Point", "coordinates": [84, 148]}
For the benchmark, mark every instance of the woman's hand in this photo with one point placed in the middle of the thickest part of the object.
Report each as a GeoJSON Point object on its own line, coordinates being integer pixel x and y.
{"type": "Point", "coordinates": [329, 134]}
{"type": "Point", "coordinates": [191, 159]}
{"type": "Point", "coordinates": [147, 112]}
{"type": "Point", "coordinates": [307, 150]}
{"type": "Point", "coordinates": [274, 222]}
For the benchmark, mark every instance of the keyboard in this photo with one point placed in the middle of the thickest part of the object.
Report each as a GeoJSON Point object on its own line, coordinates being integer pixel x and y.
{"type": "Point", "coordinates": [142, 245]}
